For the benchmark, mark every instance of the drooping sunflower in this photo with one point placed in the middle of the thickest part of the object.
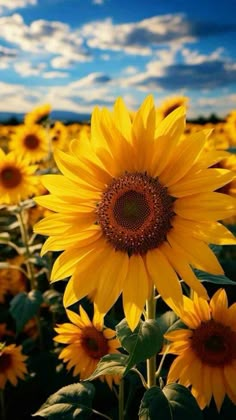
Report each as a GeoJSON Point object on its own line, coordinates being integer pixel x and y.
{"type": "Point", "coordinates": [12, 364]}
{"type": "Point", "coordinates": [135, 207]}
{"type": "Point", "coordinates": [87, 341]}
{"type": "Point", "coordinates": [17, 178]}
{"type": "Point", "coordinates": [38, 114]}
{"type": "Point", "coordinates": [31, 142]}
{"type": "Point", "coordinates": [169, 105]}
{"type": "Point", "coordinates": [206, 351]}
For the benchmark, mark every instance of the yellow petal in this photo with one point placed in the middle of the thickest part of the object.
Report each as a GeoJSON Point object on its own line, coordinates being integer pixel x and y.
{"type": "Point", "coordinates": [110, 279]}
{"type": "Point", "coordinates": [183, 159]}
{"type": "Point", "coordinates": [209, 206]}
{"type": "Point", "coordinates": [135, 291]}
{"type": "Point", "coordinates": [183, 268]}
{"type": "Point", "coordinates": [204, 181]}
{"type": "Point", "coordinates": [164, 277]}
{"type": "Point", "coordinates": [197, 252]}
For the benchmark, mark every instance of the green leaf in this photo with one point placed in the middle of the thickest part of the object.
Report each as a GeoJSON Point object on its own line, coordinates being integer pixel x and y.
{"type": "Point", "coordinates": [154, 405]}
{"type": "Point", "coordinates": [111, 364]}
{"type": "Point", "coordinates": [166, 320]}
{"type": "Point", "coordinates": [183, 404]}
{"type": "Point", "coordinates": [173, 402]}
{"type": "Point", "coordinates": [70, 402]}
{"type": "Point", "coordinates": [142, 343]}
{"type": "Point", "coordinates": [24, 306]}
{"type": "Point", "coordinates": [211, 278]}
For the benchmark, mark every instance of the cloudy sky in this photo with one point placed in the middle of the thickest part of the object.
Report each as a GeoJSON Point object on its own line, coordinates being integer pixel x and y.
{"type": "Point", "coordinates": [76, 54]}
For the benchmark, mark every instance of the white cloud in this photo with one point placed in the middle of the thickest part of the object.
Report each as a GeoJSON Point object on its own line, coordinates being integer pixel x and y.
{"type": "Point", "coordinates": [137, 37]}
{"type": "Point", "coordinates": [43, 38]}
{"type": "Point", "coordinates": [6, 5]}
{"type": "Point", "coordinates": [194, 57]}
{"type": "Point", "coordinates": [54, 75]}
{"type": "Point", "coordinates": [25, 68]}
{"type": "Point", "coordinates": [98, 2]}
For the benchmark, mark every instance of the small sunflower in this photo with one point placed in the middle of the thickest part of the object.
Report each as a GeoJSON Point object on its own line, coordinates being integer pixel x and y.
{"type": "Point", "coordinates": [31, 142]}
{"type": "Point", "coordinates": [169, 105]}
{"type": "Point", "coordinates": [206, 351]}
{"type": "Point", "coordinates": [17, 179]}
{"type": "Point", "coordinates": [87, 341]}
{"type": "Point", "coordinates": [58, 135]}
{"type": "Point", "coordinates": [12, 364]}
{"type": "Point", "coordinates": [38, 114]}
{"type": "Point", "coordinates": [137, 202]}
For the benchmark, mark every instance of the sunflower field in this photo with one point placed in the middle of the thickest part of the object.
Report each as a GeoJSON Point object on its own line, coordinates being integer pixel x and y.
{"type": "Point", "coordinates": [117, 265]}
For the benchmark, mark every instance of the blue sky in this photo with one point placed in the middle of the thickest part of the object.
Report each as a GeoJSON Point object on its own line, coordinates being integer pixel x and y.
{"type": "Point", "coordinates": [76, 54]}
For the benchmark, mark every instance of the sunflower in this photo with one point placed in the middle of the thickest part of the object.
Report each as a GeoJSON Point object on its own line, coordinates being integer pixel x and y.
{"type": "Point", "coordinates": [38, 114]}
{"type": "Point", "coordinates": [87, 341]}
{"type": "Point", "coordinates": [169, 105]}
{"type": "Point", "coordinates": [17, 179]}
{"type": "Point", "coordinates": [12, 364]}
{"type": "Point", "coordinates": [58, 135]}
{"type": "Point", "coordinates": [31, 142]}
{"type": "Point", "coordinates": [206, 351]}
{"type": "Point", "coordinates": [135, 207]}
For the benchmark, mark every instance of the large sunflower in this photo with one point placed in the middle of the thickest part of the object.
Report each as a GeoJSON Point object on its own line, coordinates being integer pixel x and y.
{"type": "Point", "coordinates": [17, 179]}
{"type": "Point", "coordinates": [87, 341]}
{"type": "Point", "coordinates": [12, 364]}
{"type": "Point", "coordinates": [135, 207]}
{"type": "Point", "coordinates": [206, 351]}
{"type": "Point", "coordinates": [31, 142]}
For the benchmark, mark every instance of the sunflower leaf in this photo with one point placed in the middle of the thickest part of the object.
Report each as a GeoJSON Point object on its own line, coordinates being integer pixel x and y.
{"type": "Point", "coordinates": [212, 278]}
{"type": "Point", "coordinates": [182, 403]}
{"type": "Point", "coordinates": [173, 402]}
{"type": "Point", "coordinates": [111, 364]}
{"type": "Point", "coordinates": [72, 401]}
{"type": "Point", "coordinates": [24, 306]}
{"type": "Point", "coordinates": [142, 343]}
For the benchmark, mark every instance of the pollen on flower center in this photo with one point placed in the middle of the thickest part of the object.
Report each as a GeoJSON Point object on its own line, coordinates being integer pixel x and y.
{"type": "Point", "coordinates": [214, 343]}
{"type": "Point", "coordinates": [10, 177]}
{"type": "Point", "coordinates": [135, 213]}
{"type": "Point", "coordinates": [94, 343]}
{"type": "Point", "coordinates": [31, 141]}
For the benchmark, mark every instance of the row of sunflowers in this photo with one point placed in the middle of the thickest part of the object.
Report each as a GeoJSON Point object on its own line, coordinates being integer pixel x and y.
{"type": "Point", "coordinates": [127, 309]}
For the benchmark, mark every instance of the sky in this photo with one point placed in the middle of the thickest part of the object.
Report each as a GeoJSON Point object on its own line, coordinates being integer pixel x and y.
{"type": "Point", "coordinates": [75, 54]}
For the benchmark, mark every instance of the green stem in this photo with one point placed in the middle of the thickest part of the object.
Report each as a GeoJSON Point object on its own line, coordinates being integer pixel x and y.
{"type": "Point", "coordinates": [121, 399]}
{"type": "Point", "coordinates": [29, 265]}
{"type": "Point", "coordinates": [158, 372]}
{"type": "Point", "coordinates": [101, 415]}
{"type": "Point", "coordinates": [2, 405]}
{"type": "Point", "coordinates": [151, 363]}
{"type": "Point", "coordinates": [25, 239]}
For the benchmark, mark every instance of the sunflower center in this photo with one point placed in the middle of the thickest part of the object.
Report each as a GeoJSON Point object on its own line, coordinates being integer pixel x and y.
{"type": "Point", "coordinates": [31, 141]}
{"type": "Point", "coordinates": [94, 343]}
{"type": "Point", "coordinates": [135, 213]}
{"type": "Point", "coordinates": [10, 177]}
{"type": "Point", "coordinates": [170, 109]}
{"type": "Point", "coordinates": [5, 361]}
{"type": "Point", "coordinates": [214, 343]}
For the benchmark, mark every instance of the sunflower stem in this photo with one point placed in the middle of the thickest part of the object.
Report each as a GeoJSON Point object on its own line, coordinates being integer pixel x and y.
{"type": "Point", "coordinates": [121, 399]}
{"type": "Point", "coordinates": [29, 265]}
{"type": "Point", "coordinates": [2, 405]}
{"type": "Point", "coordinates": [151, 363]}
{"type": "Point", "coordinates": [101, 415]}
